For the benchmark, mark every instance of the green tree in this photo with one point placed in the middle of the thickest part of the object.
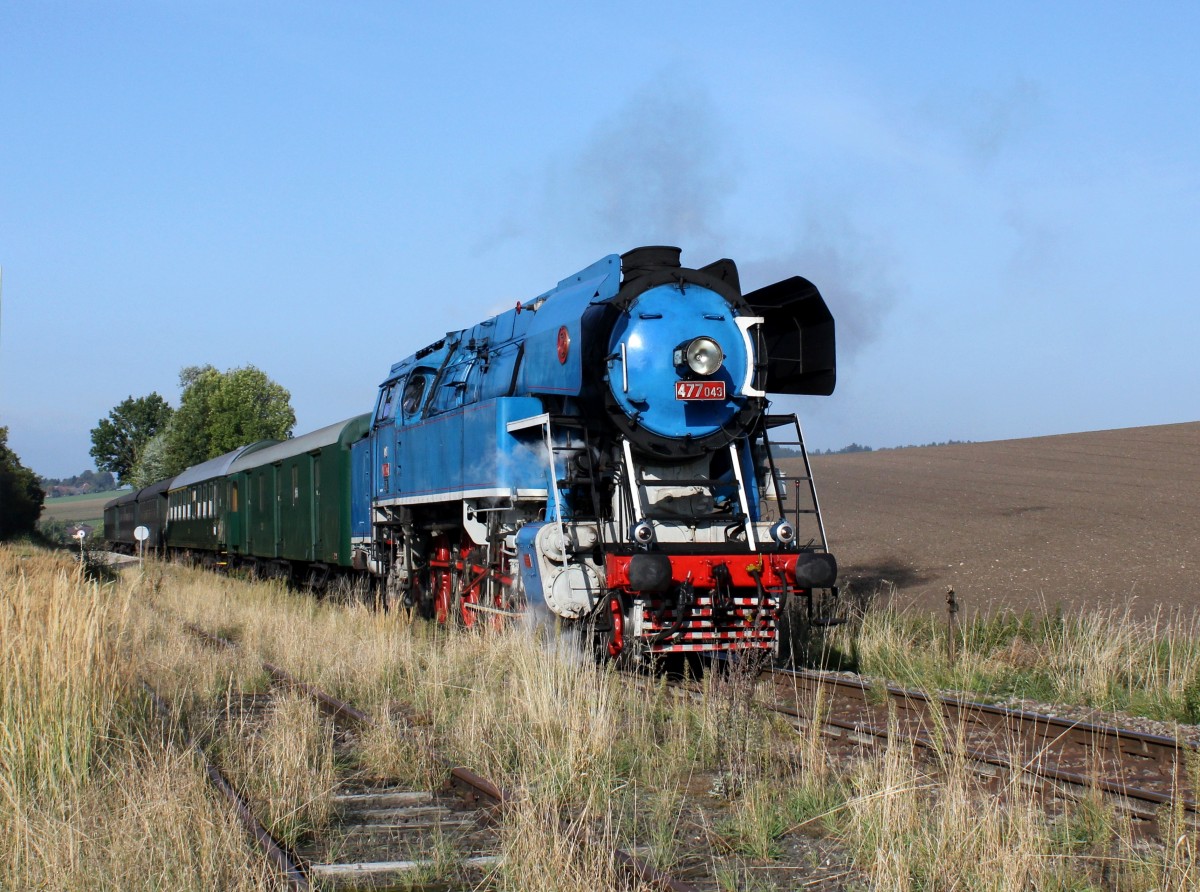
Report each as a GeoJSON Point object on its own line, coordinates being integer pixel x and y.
{"type": "Point", "coordinates": [21, 496]}
{"type": "Point", "coordinates": [187, 435]}
{"type": "Point", "coordinates": [220, 411]}
{"type": "Point", "coordinates": [117, 440]}
{"type": "Point", "coordinates": [152, 464]}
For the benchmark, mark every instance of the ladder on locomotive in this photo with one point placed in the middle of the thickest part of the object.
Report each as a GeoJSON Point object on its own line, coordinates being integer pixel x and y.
{"type": "Point", "coordinates": [821, 541]}
{"type": "Point", "coordinates": [826, 610]}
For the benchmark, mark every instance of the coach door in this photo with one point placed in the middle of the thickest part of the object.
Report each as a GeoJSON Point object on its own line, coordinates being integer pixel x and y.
{"type": "Point", "coordinates": [318, 510]}
{"type": "Point", "coordinates": [277, 530]}
{"type": "Point", "coordinates": [233, 520]}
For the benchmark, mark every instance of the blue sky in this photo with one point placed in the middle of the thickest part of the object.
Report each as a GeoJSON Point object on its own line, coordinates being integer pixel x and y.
{"type": "Point", "coordinates": [1000, 202]}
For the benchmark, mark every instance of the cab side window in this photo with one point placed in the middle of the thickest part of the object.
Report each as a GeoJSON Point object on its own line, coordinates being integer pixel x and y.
{"type": "Point", "coordinates": [387, 403]}
{"type": "Point", "coordinates": [414, 393]}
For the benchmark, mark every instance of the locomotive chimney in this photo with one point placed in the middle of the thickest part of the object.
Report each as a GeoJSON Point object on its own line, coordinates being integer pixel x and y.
{"type": "Point", "coordinates": [640, 261]}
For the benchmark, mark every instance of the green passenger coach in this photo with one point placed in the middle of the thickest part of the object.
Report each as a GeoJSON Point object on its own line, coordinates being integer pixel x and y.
{"type": "Point", "coordinates": [288, 505]}
{"type": "Point", "coordinates": [196, 503]}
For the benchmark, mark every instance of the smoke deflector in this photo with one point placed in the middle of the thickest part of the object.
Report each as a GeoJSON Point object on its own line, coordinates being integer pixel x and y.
{"type": "Point", "coordinates": [798, 333]}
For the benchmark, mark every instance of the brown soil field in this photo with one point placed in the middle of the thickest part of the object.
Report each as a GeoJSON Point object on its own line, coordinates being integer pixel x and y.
{"type": "Point", "coordinates": [1078, 520]}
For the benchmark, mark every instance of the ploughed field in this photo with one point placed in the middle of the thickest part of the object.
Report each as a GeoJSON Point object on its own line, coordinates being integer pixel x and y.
{"type": "Point", "coordinates": [1076, 520]}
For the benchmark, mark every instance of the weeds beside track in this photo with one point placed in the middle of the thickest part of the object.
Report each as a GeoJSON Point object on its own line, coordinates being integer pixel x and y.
{"type": "Point", "coordinates": [1144, 776]}
{"type": "Point", "coordinates": [91, 797]}
{"type": "Point", "coordinates": [718, 784]}
{"type": "Point", "coordinates": [376, 863]}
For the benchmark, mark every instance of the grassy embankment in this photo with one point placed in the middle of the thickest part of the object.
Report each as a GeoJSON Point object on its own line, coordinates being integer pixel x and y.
{"type": "Point", "coordinates": [91, 797]}
{"type": "Point", "coordinates": [1107, 659]}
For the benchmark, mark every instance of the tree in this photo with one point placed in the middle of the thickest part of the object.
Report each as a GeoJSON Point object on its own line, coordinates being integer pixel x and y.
{"type": "Point", "coordinates": [187, 437]}
{"type": "Point", "coordinates": [117, 440]}
{"type": "Point", "coordinates": [152, 464]}
{"type": "Point", "coordinates": [221, 411]}
{"type": "Point", "coordinates": [21, 496]}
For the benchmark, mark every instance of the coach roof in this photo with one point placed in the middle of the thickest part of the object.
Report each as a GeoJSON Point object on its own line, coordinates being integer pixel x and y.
{"type": "Point", "coordinates": [318, 439]}
{"type": "Point", "coordinates": [155, 489]}
{"type": "Point", "coordinates": [215, 467]}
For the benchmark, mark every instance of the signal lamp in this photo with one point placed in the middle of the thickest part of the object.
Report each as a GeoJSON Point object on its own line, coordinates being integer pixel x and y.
{"type": "Point", "coordinates": [642, 532]}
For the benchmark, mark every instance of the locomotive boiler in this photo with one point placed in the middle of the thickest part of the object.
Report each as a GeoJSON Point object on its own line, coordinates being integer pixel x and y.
{"type": "Point", "coordinates": [605, 454]}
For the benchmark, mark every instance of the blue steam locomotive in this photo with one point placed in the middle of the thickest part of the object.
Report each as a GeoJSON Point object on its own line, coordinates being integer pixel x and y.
{"type": "Point", "coordinates": [602, 453]}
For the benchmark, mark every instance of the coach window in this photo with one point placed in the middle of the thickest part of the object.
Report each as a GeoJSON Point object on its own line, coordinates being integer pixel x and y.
{"type": "Point", "coordinates": [233, 506]}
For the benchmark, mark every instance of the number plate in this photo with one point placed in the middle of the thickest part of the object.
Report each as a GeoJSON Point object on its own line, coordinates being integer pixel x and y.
{"type": "Point", "coordinates": [700, 390]}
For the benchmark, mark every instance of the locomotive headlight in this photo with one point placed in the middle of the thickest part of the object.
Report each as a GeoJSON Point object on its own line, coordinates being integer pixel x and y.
{"type": "Point", "coordinates": [642, 533]}
{"type": "Point", "coordinates": [783, 532]}
{"type": "Point", "coordinates": [704, 356]}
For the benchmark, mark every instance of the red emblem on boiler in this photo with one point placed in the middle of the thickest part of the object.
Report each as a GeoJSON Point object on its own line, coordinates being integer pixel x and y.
{"type": "Point", "coordinates": [564, 344]}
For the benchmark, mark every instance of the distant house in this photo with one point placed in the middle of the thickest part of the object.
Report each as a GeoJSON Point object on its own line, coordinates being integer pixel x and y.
{"type": "Point", "coordinates": [59, 490]}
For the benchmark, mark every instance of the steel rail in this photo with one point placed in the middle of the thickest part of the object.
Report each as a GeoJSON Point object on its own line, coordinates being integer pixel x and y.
{"type": "Point", "coordinates": [1049, 736]}
{"type": "Point", "coordinates": [1156, 745]}
{"type": "Point", "coordinates": [272, 848]}
{"type": "Point", "coordinates": [474, 788]}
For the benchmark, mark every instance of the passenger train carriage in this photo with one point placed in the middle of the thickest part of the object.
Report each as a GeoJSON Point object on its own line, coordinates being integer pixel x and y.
{"type": "Point", "coordinates": [603, 453]}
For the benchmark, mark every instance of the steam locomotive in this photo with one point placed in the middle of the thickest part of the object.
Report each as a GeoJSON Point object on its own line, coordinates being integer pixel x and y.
{"type": "Point", "coordinates": [603, 453]}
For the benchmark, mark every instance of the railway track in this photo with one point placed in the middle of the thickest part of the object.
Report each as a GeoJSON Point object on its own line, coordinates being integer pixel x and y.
{"type": "Point", "coordinates": [382, 835]}
{"type": "Point", "coordinates": [1140, 774]}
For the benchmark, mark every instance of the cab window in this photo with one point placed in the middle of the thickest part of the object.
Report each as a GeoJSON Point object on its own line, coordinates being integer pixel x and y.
{"type": "Point", "coordinates": [414, 391]}
{"type": "Point", "coordinates": [387, 403]}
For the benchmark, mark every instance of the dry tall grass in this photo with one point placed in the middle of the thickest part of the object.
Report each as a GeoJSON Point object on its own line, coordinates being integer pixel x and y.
{"type": "Point", "coordinates": [1103, 658]}
{"type": "Point", "coordinates": [591, 761]}
{"type": "Point", "coordinates": [284, 764]}
{"type": "Point", "coordinates": [58, 672]}
{"type": "Point", "coordinates": [86, 800]}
